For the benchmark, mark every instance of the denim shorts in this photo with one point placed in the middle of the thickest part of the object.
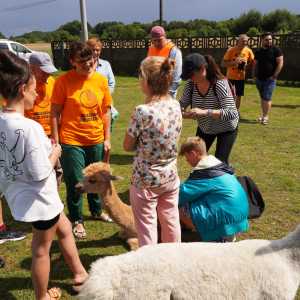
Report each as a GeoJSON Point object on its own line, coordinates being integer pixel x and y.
{"type": "Point", "coordinates": [266, 88]}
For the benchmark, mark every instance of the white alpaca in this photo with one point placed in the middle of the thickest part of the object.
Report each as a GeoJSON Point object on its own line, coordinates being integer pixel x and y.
{"type": "Point", "coordinates": [247, 270]}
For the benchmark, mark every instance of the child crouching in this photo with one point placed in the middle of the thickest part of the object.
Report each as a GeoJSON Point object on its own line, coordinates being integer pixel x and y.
{"type": "Point", "coordinates": [211, 201]}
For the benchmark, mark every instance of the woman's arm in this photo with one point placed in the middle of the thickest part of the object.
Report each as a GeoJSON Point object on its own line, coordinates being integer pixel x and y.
{"type": "Point", "coordinates": [129, 142]}
{"type": "Point", "coordinates": [106, 126]}
{"type": "Point", "coordinates": [111, 78]}
{"type": "Point", "coordinates": [54, 121]}
{"type": "Point", "coordinates": [55, 154]}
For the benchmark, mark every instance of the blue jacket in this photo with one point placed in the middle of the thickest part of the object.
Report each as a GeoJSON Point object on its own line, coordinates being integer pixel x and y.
{"type": "Point", "coordinates": [218, 203]}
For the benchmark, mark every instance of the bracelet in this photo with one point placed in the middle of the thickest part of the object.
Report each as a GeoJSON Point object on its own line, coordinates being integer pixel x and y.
{"type": "Point", "coordinates": [54, 154]}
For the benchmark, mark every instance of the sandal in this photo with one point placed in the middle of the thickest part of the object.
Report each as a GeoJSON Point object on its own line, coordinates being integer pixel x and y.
{"type": "Point", "coordinates": [76, 287]}
{"type": "Point", "coordinates": [107, 218]}
{"type": "Point", "coordinates": [259, 119]}
{"type": "Point", "coordinates": [55, 293]}
{"type": "Point", "coordinates": [80, 231]}
{"type": "Point", "coordinates": [265, 122]}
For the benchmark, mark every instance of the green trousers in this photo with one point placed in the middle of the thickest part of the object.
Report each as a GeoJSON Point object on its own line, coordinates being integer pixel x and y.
{"type": "Point", "coordinates": [74, 159]}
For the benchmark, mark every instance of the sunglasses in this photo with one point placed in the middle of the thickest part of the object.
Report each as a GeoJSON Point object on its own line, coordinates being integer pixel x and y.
{"type": "Point", "coordinates": [83, 62]}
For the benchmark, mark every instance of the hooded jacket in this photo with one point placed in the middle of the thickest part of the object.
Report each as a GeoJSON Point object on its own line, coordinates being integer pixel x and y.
{"type": "Point", "coordinates": [218, 203]}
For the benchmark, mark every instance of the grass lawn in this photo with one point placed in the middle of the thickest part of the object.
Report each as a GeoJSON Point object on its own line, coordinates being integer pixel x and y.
{"type": "Point", "coordinates": [268, 154]}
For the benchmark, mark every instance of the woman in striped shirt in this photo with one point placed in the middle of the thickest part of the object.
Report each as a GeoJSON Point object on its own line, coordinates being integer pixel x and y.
{"type": "Point", "coordinates": [209, 94]}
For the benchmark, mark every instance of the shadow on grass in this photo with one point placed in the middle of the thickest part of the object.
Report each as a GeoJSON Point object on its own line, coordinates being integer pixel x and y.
{"type": "Point", "coordinates": [286, 106]}
{"type": "Point", "coordinates": [247, 121]}
{"type": "Point", "coordinates": [121, 159]}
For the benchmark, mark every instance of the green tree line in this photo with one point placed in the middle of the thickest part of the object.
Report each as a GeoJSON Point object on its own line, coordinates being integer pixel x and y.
{"type": "Point", "coordinates": [253, 22]}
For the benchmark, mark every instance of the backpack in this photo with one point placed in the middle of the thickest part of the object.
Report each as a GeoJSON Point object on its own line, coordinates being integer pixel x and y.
{"type": "Point", "coordinates": [214, 84]}
{"type": "Point", "coordinates": [255, 200]}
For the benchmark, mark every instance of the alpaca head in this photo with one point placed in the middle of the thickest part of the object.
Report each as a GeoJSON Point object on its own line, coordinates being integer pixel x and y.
{"type": "Point", "coordinates": [95, 177]}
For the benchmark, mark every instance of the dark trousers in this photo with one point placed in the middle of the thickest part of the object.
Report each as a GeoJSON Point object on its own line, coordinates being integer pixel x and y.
{"type": "Point", "coordinates": [74, 159]}
{"type": "Point", "coordinates": [225, 141]}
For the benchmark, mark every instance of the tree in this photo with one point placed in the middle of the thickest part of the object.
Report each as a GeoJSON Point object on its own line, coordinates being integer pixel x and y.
{"type": "Point", "coordinates": [23, 41]}
{"type": "Point", "coordinates": [279, 19]}
{"type": "Point", "coordinates": [140, 33]}
{"type": "Point", "coordinates": [56, 35]}
{"type": "Point", "coordinates": [174, 33]}
{"type": "Point", "coordinates": [253, 18]}
{"type": "Point", "coordinates": [2, 36]}
{"type": "Point", "coordinates": [253, 31]}
{"type": "Point", "coordinates": [48, 38]}
{"type": "Point", "coordinates": [33, 38]}
{"type": "Point", "coordinates": [11, 38]}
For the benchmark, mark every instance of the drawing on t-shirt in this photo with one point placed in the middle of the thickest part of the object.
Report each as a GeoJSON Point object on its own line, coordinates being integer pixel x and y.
{"type": "Point", "coordinates": [7, 159]}
{"type": "Point", "coordinates": [88, 99]}
{"type": "Point", "coordinates": [44, 100]}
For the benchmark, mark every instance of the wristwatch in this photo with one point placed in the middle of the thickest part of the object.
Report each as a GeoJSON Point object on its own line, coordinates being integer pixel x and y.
{"type": "Point", "coordinates": [210, 112]}
{"type": "Point", "coordinates": [275, 76]}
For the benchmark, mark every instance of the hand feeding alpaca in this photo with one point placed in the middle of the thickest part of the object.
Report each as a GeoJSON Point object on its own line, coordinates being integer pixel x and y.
{"type": "Point", "coordinates": [98, 179]}
{"type": "Point", "coordinates": [248, 270]}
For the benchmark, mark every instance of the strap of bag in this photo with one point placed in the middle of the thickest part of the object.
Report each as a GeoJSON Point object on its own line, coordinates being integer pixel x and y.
{"type": "Point", "coordinates": [191, 92]}
{"type": "Point", "coordinates": [256, 193]}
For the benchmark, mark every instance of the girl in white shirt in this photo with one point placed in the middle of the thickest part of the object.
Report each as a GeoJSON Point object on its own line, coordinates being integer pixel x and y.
{"type": "Point", "coordinates": [27, 178]}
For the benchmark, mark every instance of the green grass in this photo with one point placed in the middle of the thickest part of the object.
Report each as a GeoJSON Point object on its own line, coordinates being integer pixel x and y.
{"type": "Point", "coordinates": [268, 154]}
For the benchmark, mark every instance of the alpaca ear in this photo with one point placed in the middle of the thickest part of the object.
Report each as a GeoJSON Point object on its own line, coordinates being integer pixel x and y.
{"type": "Point", "coordinates": [112, 177]}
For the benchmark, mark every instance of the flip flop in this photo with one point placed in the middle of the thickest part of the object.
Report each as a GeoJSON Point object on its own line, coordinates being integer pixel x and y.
{"type": "Point", "coordinates": [76, 287]}
{"type": "Point", "coordinates": [107, 218]}
{"type": "Point", "coordinates": [55, 293]}
{"type": "Point", "coordinates": [76, 231]}
{"type": "Point", "coordinates": [259, 119]}
{"type": "Point", "coordinates": [265, 122]}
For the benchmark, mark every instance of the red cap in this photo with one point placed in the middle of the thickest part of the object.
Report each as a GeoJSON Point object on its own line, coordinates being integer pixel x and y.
{"type": "Point", "coordinates": [157, 31]}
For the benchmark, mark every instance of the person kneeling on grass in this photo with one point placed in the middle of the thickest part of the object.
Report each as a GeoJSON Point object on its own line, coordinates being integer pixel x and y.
{"type": "Point", "coordinates": [28, 179]}
{"type": "Point", "coordinates": [211, 201]}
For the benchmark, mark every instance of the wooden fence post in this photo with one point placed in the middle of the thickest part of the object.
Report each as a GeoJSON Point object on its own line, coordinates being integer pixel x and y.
{"type": "Point", "coordinates": [146, 45]}
{"type": "Point", "coordinates": [110, 51]}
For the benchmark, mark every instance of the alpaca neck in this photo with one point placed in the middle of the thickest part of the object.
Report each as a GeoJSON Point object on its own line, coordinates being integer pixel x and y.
{"type": "Point", "coordinates": [111, 202]}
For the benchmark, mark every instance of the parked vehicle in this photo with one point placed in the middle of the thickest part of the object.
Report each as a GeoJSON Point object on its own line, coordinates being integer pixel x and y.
{"type": "Point", "coordinates": [18, 49]}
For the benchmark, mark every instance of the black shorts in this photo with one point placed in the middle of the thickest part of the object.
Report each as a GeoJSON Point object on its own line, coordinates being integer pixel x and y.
{"type": "Point", "coordinates": [239, 86]}
{"type": "Point", "coordinates": [45, 225]}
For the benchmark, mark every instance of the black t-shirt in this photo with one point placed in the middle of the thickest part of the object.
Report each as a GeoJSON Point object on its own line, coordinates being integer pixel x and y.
{"type": "Point", "coordinates": [267, 63]}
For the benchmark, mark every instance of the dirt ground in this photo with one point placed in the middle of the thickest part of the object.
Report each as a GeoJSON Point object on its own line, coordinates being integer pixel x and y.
{"type": "Point", "coordinates": [39, 47]}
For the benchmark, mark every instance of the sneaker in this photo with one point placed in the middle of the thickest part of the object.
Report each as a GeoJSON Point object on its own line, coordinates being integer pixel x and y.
{"type": "Point", "coordinates": [10, 235]}
{"type": "Point", "coordinates": [2, 263]}
{"type": "Point", "coordinates": [219, 240]}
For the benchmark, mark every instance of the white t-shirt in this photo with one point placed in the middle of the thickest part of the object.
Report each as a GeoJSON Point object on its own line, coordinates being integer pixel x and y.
{"type": "Point", "coordinates": [26, 174]}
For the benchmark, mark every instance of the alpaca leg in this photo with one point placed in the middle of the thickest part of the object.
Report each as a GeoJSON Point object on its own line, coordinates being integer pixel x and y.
{"type": "Point", "coordinates": [123, 234]}
{"type": "Point", "coordinates": [133, 243]}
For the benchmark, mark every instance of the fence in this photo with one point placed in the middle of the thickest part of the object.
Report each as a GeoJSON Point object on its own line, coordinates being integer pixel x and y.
{"type": "Point", "coordinates": [126, 55]}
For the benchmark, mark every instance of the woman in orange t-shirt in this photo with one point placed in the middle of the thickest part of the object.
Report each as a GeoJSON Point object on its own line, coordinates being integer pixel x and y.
{"type": "Point", "coordinates": [80, 120]}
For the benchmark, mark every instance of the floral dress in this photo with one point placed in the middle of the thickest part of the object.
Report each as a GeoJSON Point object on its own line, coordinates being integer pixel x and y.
{"type": "Point", "coordinates": [157, 126]}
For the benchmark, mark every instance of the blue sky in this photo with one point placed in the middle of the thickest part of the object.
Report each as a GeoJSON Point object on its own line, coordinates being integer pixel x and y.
{"type": "Point", "coordinates": [49, 16]}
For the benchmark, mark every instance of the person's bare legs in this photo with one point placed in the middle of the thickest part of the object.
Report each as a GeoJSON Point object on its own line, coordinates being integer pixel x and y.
{"type": "Point", "coordinates": [1, 217]}
{"type": "Point", "coordinates": [238, 102]}
{"type": "Point", "coordinates": [266, 106]}
{"type": "Point", "coordinates": [40, 267]}
{"type": "Point", "coordinates": [68, 248]}
{"type": "Point", "coordinates": [41, 243]}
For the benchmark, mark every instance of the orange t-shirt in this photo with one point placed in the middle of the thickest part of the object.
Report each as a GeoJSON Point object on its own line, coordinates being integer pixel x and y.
{"type": "Point", "coordinates": [42, 105]}
{"type": "Point", "coordinates": [233, 72]}
{"type": "Point", "coordinates": [82, 100]}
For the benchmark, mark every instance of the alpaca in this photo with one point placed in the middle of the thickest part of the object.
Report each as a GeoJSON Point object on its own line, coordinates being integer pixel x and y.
{"type": "Point", "coordinates": [248, 270]}
{"type": "Point", "coordinates": [98, 179]}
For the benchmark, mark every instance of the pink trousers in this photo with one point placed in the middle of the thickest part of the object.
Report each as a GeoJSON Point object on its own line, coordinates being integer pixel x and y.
{"type": "Point", "coordinates": [144, 203]}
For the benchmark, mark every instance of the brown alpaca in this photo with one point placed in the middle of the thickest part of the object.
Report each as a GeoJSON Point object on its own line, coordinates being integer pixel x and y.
{"type": "Point", "coordinates": [98, 179]}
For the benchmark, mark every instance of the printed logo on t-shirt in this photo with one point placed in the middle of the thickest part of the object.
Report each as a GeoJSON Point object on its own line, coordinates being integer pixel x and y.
{"type": "Point", "coordinates": [7, 159]}
{"type": "Point", "coordinates": [44, 100]}
{"type": "Point", "coordinates": [88, 99]}
{"type": "Point", "coordinates": [240, 54]}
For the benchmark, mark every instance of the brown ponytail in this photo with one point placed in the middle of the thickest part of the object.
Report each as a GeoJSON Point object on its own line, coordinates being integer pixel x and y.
{"type": "Point", "coordinates": [212, 70]}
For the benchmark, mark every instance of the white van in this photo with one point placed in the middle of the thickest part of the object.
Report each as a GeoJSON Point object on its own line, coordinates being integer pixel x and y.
{"type": "Point", "coordinates": [16, 48]}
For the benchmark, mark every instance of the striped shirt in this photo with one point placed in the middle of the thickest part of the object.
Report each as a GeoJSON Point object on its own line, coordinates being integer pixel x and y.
{"type": "Point", "coordinates": [224, 102]}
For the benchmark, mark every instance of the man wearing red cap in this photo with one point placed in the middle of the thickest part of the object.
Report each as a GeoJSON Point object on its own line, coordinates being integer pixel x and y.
{"type": "Point", "coordinates": [161, 46]}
